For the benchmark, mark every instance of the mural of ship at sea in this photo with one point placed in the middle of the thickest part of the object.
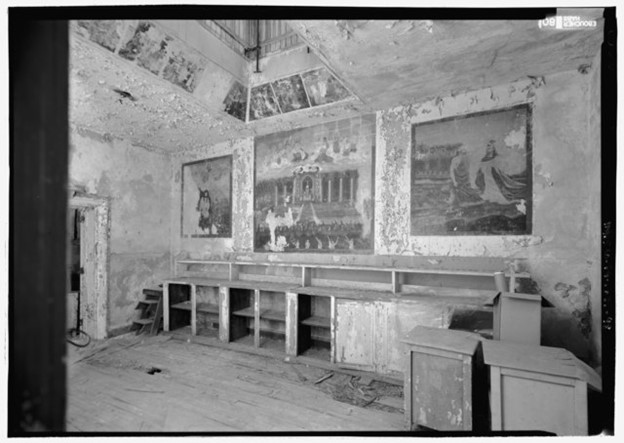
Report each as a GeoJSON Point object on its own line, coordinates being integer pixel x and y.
{"type": "Point", "coordinates": [471, 175]}
{"type": "Point", "coordinates": [314, 188]}
{"type": "Point", "coordinates": [207, 198]}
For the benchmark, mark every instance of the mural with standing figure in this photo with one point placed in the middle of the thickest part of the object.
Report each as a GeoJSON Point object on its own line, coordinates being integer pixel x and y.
{"type": "Point", "coordinates": [314, 188]}
{"type": "Point", "coordinates": [207, 198]}
{"type": "Point", "coordinates": [471, 175]}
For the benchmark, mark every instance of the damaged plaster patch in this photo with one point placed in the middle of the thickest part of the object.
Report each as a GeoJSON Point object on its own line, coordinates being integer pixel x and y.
{"type": "Point", "coordinates": [242, 189]}
{"type": "Point", "coordinates": [393, 199]}
{"type": "Point", "coordinates": [348, 27]}
{"type": "Point", "coordinates": [578, 298]}
{"type": "Point", "coordinates": [564, 289]}
{"type": "Point", "coordinates": [164, 119]}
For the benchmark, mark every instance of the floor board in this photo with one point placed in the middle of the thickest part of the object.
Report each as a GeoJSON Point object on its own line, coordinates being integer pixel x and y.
{"type": "Point", "coordinates": [197, 388]}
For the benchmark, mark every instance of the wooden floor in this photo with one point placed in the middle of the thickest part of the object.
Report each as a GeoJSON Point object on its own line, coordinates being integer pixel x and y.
{"type": "Point", "coordinates": [196, 388]}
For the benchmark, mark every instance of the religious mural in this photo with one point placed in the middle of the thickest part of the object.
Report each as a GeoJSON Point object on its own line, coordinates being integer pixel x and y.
{"type": "Point", "coordinates": [471, 175]}
{"type": "Point", "coordinates": [235, 102]}
{"type": "Point", "coordinates": [207, 198]}
{"type": "Point", "coordinates": [314, 188]}
{"type": "Point", "coordinates": [263, 103]}
{"type": "Point", "coordinates": [323, 87]}
{"type": "Point", "coordinates": [290, 94]}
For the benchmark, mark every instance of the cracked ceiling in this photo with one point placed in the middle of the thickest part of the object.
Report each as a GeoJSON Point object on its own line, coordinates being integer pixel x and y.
{"type": "Point", "coordinates": [166, 88]}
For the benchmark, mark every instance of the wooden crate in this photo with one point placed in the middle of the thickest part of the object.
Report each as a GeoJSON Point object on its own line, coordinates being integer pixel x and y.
{"type": "Point", "coordinates": [537, 388]}
{"type": "Point", "coordinates": [444, 380]}
{"type": "Point", "coordinates": [517, 318]}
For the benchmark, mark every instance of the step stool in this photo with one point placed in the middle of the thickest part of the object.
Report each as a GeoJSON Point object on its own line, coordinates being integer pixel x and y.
{"type": "Point", "coordinates": [151, 312]}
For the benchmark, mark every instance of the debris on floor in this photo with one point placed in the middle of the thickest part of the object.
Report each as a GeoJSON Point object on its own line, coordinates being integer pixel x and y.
{"type": "Point", "coordinates": [363, 391]}
{"type": "Point", "coordinates": [323, 378]}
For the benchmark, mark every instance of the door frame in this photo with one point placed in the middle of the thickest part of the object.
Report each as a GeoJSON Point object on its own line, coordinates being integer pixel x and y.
{"type": "Point", "coordinates": [94, 244]}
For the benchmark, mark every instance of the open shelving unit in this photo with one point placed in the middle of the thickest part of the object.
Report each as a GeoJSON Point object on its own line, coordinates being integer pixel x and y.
{"type": "Point", "coordinates": [241, 313]}
{"type": "Point", "coordinates": [179, 306]}
{"type": "Point", "coordinates": [314, 328]}
{"type": "Point", "coordinates": [272, 319]}
{"type": "Point", "coordinates": [291, 307]}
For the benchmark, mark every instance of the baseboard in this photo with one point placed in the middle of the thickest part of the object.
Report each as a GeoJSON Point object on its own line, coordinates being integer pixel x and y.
{"type": "Point", "coordinates": [120, 330]}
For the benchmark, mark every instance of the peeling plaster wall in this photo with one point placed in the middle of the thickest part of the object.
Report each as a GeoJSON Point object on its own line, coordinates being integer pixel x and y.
{"type": "Point", "coordinates": [563, 252]}
{"type": "Point", "coordinates": [594, 222]}
{"type": "Point", "coordinates": [242, 201]}
{"type": "Point", "coordinates": [137, 184]}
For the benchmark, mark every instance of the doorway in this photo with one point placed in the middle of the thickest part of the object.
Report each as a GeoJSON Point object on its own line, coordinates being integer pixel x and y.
{"type": "Point", "coordinates": [87, 269]}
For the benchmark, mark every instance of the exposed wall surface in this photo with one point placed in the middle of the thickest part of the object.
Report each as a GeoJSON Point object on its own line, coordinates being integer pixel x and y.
{"type": "Point", "coordinates": [242, 200]}
{"type": "Point", "coordinates": [594, 227]}
{"type": "Point", "coordinates": [137, 184]}
{"type": "Point", "coordinates": [562, 253]}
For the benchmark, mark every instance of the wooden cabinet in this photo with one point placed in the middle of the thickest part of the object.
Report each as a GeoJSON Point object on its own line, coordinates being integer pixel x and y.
{"type": "Point", "coordinates": [241, 314]}
{"type": "Point", "coordinates": [178, 306]}
{"type": "Point", "coordinates": [350, 315]}
{"type": "Point", "coordinates": [517, 318]}
{"type": "Point", "coordinates": [184, 307]}
{"type": "Point", "coordinates": [309, 324]}
{"type": "Point", "coordinates": [536, 388]}
{"type": "Point", "coordinates": [314, 326]}
{"type": "Point", "coordinates": [444, 384]}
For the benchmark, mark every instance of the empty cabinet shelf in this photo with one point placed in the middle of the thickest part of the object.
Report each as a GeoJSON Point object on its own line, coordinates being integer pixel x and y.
{"type": "Point", "coordinates": [319, 322]}
{"type": "Point", "coordinates": [208, 308]}
{"type": "Point", "coordinates": [185, 305]}
{"type": "Point", "coordinates": [246, 312]}
{"type": "Point", "coordinates": [273, 315]}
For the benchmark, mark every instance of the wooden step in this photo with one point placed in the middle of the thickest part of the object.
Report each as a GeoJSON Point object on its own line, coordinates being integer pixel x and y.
{"type": "Point", "coordinates": [153, 292]}
{"type": "Point", "coordinates": [143, 321]}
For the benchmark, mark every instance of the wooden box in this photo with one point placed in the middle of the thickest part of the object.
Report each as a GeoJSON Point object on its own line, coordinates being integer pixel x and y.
{"type": "Point", "coordinates": [517, 318]}
{"type": "Point", "coordinates": [537, 388]}
{"type": "Point", "coordinates": [444, 384]}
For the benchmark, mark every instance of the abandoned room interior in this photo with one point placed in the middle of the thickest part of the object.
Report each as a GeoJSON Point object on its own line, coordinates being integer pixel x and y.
{"type": "Point", "coordinates": [335, 226]}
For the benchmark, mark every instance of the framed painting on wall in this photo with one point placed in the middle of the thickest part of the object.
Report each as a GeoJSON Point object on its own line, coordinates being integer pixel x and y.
{"type": "Point", "coordinates": [314, 188]}
{"type": "Point", "coordinates": [207, 198]}
{"type": "Point", "coordinates": [472, 174]}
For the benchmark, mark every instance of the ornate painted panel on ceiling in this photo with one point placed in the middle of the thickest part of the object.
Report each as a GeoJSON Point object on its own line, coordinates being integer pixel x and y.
{"type": "Point", "coordinates": [236, 101]}
{"type": "Point", "coordinates": [312, 88]}
{"type": "Point", "coordinates": [147, 46]}
{"type": "Point", "coordinates": [323, 87]}
{"type": "Point", "coordinates": [263, 102]}
{"type": "Point", "coordinates": [290, 94]}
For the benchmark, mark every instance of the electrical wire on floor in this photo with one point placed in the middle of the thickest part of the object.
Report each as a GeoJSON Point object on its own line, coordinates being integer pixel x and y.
{"type": "Point", "coordinates": [75, 335]}
{"type": "Point", "coordinates": [78, 338]}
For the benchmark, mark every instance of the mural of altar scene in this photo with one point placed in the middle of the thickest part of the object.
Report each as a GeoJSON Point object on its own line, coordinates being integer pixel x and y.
{"type": "Point", "coordinates": [314, 188]}
{"type": "Point", "coordinates": [471, 175]}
